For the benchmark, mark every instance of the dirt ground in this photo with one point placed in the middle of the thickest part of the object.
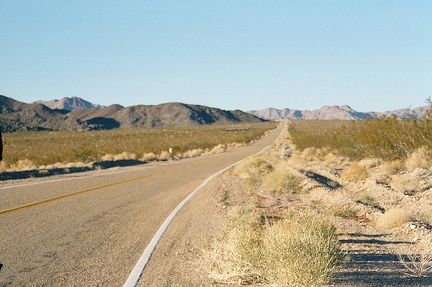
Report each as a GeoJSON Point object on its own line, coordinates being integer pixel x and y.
{"type": "Point", "coordinates": [376, 218]}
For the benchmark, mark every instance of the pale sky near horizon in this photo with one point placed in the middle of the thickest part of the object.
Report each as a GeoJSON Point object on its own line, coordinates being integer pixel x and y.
{"type": "Point", "coordinates": [229, 54]}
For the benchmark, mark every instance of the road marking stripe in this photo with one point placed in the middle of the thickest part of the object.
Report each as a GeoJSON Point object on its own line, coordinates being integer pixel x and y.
{"type": "Point", "coordinates": [13, 209]}
{"type": "Point", "coordinates": [137, 271]}
{"type": "Point", "coordinates": [28, 205]}
{"type": "Point", "coordinates": [145, 257]}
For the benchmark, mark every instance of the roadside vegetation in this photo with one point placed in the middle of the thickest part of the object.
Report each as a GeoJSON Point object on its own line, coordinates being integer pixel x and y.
{"type": "Point", "coordinates": [387, 139]}
{"type": "Point", "coordinates": [265, 240]}
{"type": "Point", "coordinates": [323, 181]}
{"type": "Point", "coordinates": [29, 150]}
{"type": "Point", "coordinates": [301, 249]}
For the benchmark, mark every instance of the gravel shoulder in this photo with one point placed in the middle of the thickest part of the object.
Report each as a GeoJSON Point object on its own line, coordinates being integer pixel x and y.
{"type": "Point", "coordinates": [369, 245]}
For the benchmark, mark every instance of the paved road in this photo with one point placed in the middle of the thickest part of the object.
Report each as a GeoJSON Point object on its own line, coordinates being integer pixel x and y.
{"type": "Point", "coordinates": [90, 229]}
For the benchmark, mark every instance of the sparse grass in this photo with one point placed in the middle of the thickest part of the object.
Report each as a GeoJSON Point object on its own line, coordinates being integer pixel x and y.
{"type": "Point", "coordinates": [394, 217]}
{"type": "Point", "coordinates": [420, 158]}
{"type": "Point", "coordinates": [300, 250]}
{"type": "Point", "coordinates": [425, 217]}
{"type": "Point", "coordinates": [47, 148]}
{"type": "Point", "coordinates": [366, 199]}
{"type": "Point", "coordinates": [393, 166]}
{"type": "Point", "coordinates": [355, 172]}
{"type": "Point", "coordinates": [344, 211]}
{"type": "Point", "coordinates": [282, 180]}
{"type": "Point", "coordinates": [252, 170]}
{"type": "Point", "coordinates": [417, 258]}
{"type": "Point", "coordinates": [387, 139]}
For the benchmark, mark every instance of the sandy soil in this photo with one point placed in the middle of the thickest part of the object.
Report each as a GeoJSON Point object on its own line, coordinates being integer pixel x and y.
{"type": "Point", "coordinates": [388, 209]}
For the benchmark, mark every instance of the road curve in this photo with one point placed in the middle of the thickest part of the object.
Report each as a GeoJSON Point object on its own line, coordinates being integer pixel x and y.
{"type": "Point", "coordinates": [90, 229]}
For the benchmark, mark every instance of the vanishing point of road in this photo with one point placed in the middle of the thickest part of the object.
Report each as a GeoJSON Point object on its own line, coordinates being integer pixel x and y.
{"type": "Point", "coordinates": [90, 229]}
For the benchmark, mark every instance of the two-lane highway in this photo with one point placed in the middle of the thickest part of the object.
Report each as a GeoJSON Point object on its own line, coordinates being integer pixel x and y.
{"type": "Point", "coordinates": [90, 229]}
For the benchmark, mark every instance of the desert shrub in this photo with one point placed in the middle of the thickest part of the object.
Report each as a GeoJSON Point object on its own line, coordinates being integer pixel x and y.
{"type": "Point", "coordinates": [252, 169]}
{"type": "Point", "coordinates": [417, 258]}
{"type": "Point", "coordinates": [148, 156]}
{"type": "Point", "coordinates": [235, 253]}
{"type": "Point", "coordinates": [394, 217]}
{"type": "Point", "coordinates": [50, 147]}
{"type": "Point", "coordinates": [420, 158]}
{"type": "Point", "coordinates": [300, 250]}
{"type": "Point", "coordinates": [23, 165]}
{"type": "Point", "coordinates": [192, 153]}
{"type": "Point", "coordinates": [121, 156]}
{"type": "Point", "coordinates": [344, 211]}
{"type": "Point", "coordinates": [366, 199]}
{"type": "Point", "coordinates": [393, 166]}
{"type": "Point", "coordinates": [282, 181]}
{"type": "Point", "coordinates": [425, 217]}
{"type": "Point", "coordinates": [355, 172]}
{"type": "Point", "coordinates": [387, 139]}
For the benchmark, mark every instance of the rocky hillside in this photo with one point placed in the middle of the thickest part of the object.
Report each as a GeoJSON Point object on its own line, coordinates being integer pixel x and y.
{"type": "Point", "coordinates": [69, 104]}
{"type": "Point", "coordinates": [18, 116]}
{"type": "Point", "coordinates": [333, 113]}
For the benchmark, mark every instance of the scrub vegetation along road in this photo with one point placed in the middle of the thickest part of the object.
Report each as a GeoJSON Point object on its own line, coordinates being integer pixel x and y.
{"type": "Point", "coordinates": [50, 149]}
{"type": "Point", "coordinates": [379, 208]}
{"type": "Point", "coordinates": [95, 236]}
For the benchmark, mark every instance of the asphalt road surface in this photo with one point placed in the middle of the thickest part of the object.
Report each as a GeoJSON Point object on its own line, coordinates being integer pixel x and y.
{"type": "Point", "coordinates": [90, 229]}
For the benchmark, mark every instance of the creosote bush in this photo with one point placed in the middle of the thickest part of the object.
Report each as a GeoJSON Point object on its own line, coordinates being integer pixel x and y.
{"type": "Point", "coordinates": [45, 148]}
{"type": "Point", "coordinates": [388, 139]}
{"type": "Point", "coordinates": [300, 250]}
{"type": "Point", "coordinates": [282, 180]}
{"type": "Point", "coordinates": [355, 172]}
{"type": "Point", "coordinates": [253, 169]}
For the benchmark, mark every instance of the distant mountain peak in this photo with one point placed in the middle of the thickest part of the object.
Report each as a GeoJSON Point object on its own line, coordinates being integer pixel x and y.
{"type": "Point", "coordinates": [70, 104]}
{"type": "Point", "coordinates": [343, 112]}
{"type": "Point", "coordinates": [77, 114]}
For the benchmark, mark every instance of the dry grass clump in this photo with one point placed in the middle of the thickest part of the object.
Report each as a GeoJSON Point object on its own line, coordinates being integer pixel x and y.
{"type": "Point", "coordinates": [420, 158]}
{"type": "Point", "coordinates": [235, 253]}
{"type": "Point", "coordinates": [164, 155]}
{"type": "Point", "coordinates": [25, 164]}
{"type": "Point", "coordinates": [3, 166]}
{"type": "Point", "coordinates": [300, 250]}
{"type": "Point", "coordinates": [344, 211]}
{"type": "Point", "coordinates": [425, 217]}
{"type": "Point", "coordinates": [355, 172]}
{"type": "Point", "coordinates": [149, 157]}
{"type": "Point", "coordinates": [417, 258]}
{"type": "Point", "coordinates": [366, 199]}
{"type": "Point", "coordinates": [192, 153]}
{"type": "Point", "coordinates": [282, 180]}
{"type": "Point", "coordinates": [122, 156]}
{"type": "Point", "coordinates": [393, 166]}
{"type": "Point", "coordinates": [394, 218]}
{"type": "Point", "coordinates": [252, 169]}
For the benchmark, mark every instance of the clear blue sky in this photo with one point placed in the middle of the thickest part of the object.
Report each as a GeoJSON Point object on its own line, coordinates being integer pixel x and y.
{"type": "Point", "coordinates": [230, 54]}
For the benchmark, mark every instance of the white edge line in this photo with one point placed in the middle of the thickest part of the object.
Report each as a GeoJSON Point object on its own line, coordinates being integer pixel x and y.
{"type": "Point", "coordinates": [145, 257]}
{"type": "Point", "coordinates": [135, 275]}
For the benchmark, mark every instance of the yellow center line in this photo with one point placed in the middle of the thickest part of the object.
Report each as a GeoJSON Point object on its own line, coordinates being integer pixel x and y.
{"type": "Point", "coordinates": [28, 205]}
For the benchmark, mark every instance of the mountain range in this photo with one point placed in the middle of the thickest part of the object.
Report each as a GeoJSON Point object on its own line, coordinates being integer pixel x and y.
{"type": "Point", "coordinates": [335, 113]}
{"type": "Point", "coordinates": [77, 114]}
{"type": "Point", "coordinates": [69, 104]}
